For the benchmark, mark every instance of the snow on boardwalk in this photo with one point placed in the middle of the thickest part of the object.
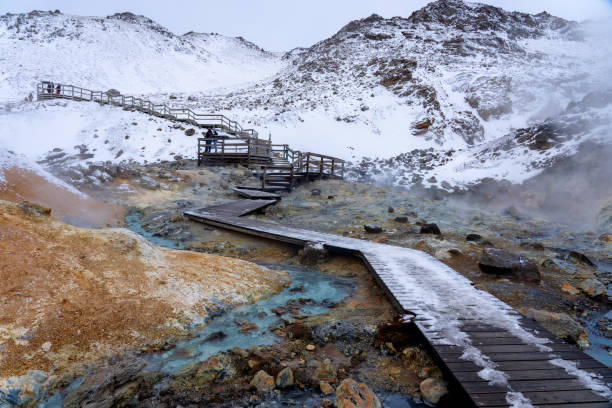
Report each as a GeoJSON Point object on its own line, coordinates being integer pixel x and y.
{"type": "Point", "coordinates": [497, 357]}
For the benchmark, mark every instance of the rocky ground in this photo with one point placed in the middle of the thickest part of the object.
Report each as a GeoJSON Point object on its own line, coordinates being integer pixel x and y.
{"type": "Point", "coordinates": [569, 266]}
{"type": "Point", "coordinates": [554, 274]}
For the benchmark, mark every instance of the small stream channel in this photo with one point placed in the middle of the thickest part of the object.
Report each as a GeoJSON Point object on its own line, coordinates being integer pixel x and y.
{"type": "Point", "coordinates": [315, 292]}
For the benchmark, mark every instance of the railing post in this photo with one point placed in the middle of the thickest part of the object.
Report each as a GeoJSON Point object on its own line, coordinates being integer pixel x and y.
{"type": "Point", "coordinates": [332, 169]}
{"type": "Point", "coordinates": [321, 168]}
{"type": "Point", "coordinates": [263, 178]}
{"type": "Point", "coordinates": [199, 149]}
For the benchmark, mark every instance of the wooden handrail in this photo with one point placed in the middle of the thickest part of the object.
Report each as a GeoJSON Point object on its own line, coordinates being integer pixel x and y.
{"type": "Point", "coordinates": [43, 91]}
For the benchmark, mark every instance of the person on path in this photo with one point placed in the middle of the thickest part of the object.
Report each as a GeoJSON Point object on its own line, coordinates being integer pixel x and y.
{"type": "Point", "coordinates": [58, 89]}
{"type": "Point", "coordinates": [215, 135]}
{"type": "Point", "coordinates": [209, 135]}
{"type": "Point", "coordinates": [50, 88]}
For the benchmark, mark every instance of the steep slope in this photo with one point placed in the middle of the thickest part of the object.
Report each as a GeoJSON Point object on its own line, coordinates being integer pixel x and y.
{"type": "Point", "coordinates": [124, 51]}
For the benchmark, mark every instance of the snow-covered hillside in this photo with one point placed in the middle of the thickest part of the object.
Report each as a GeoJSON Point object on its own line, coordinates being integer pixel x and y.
{"type": "Point", "coordinates": [452, 94]}
{"type": "Point", "coordinates": [123, 51]}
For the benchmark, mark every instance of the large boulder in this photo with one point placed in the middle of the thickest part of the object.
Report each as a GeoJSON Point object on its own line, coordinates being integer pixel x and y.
{"type": "Point", "coordinates": [113, 92]}
{"type": "Point", "coordinates": [351, 394]}
{"type": "Point", "coordinates": [433, 389]}
{"type": "Point", "coordinates": [560, 324]}
{"type": "Point", "coordinates": [501, 262]}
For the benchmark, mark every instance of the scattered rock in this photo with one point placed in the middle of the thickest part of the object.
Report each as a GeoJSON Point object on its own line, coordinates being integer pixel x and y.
{"type": "Point", "coordinates": [390, 210]}
{"type": "Point", "coordinates": [119, 153]}
{"type": "Point", "coordinates": [310, 347]}
{"type": "Point", "coordinates": [566, 287]}
{"type": "Point", "coordinates": [473, 237]}
{"type": "Point", "coordinates": [313, 252]}
{"type": "Point", "coordinates": [351, 394]}
{"type": "Point", "coordinates": [279, 311]}
{"type": "Point", "coordinates": [577, 256]}
{"type": "Point", "coordinates": [263, 381]}
{"type": "Point", "coordinates": [373, 228]}
{"type": "Point", "coordinates": [298, 331]}
{"type": "Point", "coordinates": [218, 335]}
{"type": "Point", "coordinates": [380, 240]}
{"type": "Point", "coordinates": [247, 327]}
{"type": "Point", "coordinates": [216, 368]}
{"type": "Point", "coordinates": [315, 192]}
{"type": "Point", "coordinates": [149, 183]}
{"type": "Point", "coordinates": [606, 237]}
{"type": "Point", "coordinates": [433, 389]}
{"type": "Point", "coordinates": [560, 324]}
{"type": "Point", "coordinates": [430, 229]}
{"type": "Point", "coordinates": [325, 372]}
{"type": "Point", "coordinates": [501, 262]}
{"type": "Point", "coordinates": [513, 212]}
{"type": "Point", "coordinates": [401, 219]}
{"type": "Point", "coordinates": [190, 132]}
{"type": "Point", "coordinates": [285, 379]}
{"type": "Point", "coordinates": [423, 124]}
{"type": "Point", "coordinates": [325, 388]}
{"type": "Point", "coordinates": [32, 208]}
{"type": "Point", "coordinates": [593, 288]}
{"type": "Point", "coordinates": [172, 97]}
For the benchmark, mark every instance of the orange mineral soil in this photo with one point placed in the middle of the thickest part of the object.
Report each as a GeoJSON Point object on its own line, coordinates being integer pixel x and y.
{"type": "Point", "coordinates": [21, 184]}
{"type": "Point", "coordinates": [71, 296]}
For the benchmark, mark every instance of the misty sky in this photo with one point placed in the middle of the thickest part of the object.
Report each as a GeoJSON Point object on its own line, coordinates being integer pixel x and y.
{"type": "Point", "coordinates": [280, 25]}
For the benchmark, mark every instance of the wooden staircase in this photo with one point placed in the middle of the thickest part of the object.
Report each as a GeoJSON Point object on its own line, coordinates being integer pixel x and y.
{"type": "Point", "coordinates": [283, 174]}
{"type": "Point", "coordinates": [280, 167]}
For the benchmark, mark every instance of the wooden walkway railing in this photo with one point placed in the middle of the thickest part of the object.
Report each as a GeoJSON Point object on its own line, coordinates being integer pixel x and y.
{"type": "Point", "coordinates": [245, 151]}
{"type": "Point", "coordinates": [48, 90]}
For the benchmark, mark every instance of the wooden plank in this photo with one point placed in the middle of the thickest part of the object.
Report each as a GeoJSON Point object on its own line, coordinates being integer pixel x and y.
{"type": "Point", "coordinates": [471, 376]}
{"type": "Point", "coordinates": [526, 385]}
{"type": "Point", "coordinates": [255, 194]}
{"type": "Point", "coordinates": [540, 397]}
{"type": "Point", "coordinates": [528, 356]}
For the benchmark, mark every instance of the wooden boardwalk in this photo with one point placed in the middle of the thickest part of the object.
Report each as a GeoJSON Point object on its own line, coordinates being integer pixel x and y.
{"type": "Point", "coordinates": [467, 329]}
{"type": "Point", "coordinates": [256, 194]}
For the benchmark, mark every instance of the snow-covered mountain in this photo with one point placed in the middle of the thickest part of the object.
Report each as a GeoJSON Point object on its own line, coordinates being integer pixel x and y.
{"type": "Point", "coordinates": [453, 94]}
{"type": "Point", "coordinates": [123, 51]}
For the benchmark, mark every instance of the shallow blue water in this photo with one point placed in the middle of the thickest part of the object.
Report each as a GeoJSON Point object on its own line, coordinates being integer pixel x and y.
{"type": "Point", "coordinates": [599, 344]}
{"type": "Point", "coordinates": [133, 223]}
{"type": "Point", "coordinates": [319, 290]}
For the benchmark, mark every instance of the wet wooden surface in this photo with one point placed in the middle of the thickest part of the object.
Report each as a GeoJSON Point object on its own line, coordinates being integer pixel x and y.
{"type": "Point", "coordinates": [528, 369]}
